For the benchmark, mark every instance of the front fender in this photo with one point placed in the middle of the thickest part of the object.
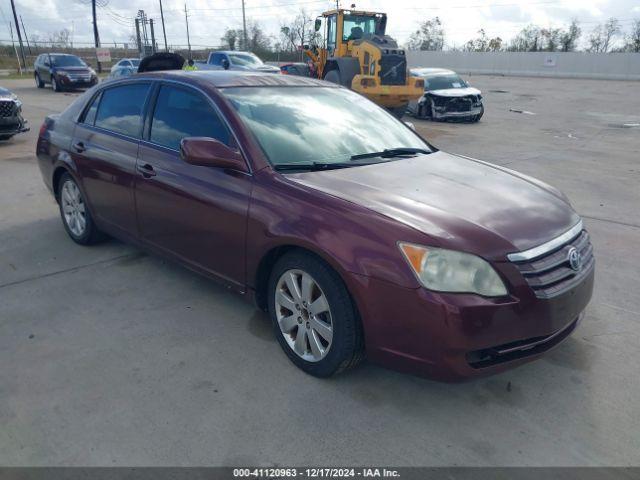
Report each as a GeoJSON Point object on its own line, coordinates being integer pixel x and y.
{"type": "Point", "coordinates": [349, 237]}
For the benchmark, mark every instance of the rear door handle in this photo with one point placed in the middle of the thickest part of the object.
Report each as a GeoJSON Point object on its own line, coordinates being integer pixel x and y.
{"type": "Point", "coordinates": [146, 170]}
{"type": "Point", "coordinates": [79, 147]}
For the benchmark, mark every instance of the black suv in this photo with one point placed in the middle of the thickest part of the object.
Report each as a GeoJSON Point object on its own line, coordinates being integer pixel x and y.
{"type": "Point", "coordinates": [63, 71]}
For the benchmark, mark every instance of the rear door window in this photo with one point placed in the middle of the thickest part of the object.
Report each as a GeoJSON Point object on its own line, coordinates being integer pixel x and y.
{"type": "Point", "coordinates": [180, 113]}
{"type": "Point", "coordinates": [121, 108]}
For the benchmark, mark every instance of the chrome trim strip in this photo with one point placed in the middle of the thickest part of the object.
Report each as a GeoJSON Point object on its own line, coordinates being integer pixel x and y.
{"type": "Point", "coordinates": [540, 250]}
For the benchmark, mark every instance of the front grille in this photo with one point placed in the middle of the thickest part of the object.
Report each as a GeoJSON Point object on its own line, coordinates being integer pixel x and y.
{"type": "Point", "coordinates": [7, 108]}
{"type": "Point", "coordinates": [393, 70]}
{"type": "Point", "coordinates": [79, 77]}
{"type": "Point", "coordinates": [551, 274]}
{"type": "Point", "coordinates": [459, 104]}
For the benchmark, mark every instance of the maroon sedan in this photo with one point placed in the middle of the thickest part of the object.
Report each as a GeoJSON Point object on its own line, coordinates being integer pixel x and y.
{"type": "Point", "coordinates": [354, 233]}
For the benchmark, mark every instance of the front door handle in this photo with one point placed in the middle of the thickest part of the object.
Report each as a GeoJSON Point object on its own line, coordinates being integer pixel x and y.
{"type": "Point", "coordinates": [146, 170]}
{"type": "Point", "coordinates": [79, 147]}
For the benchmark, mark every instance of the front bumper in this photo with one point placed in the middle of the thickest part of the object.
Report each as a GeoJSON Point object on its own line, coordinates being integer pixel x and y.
{"type": "Point", "coordinates": [451, 337]}
{"type": "Point", "coordinates": [451, 115]}
{"type": "Point", "coordinates": [13, 125]}
{"type": "Point", "coordinates": [77, 82]}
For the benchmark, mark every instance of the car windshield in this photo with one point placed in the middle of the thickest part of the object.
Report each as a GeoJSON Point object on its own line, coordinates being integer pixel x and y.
{"type": "Point", "coordinates": [67, 61]}
{"type": "Point", "coordinates": [444, 82]}
{"type": "Point", "coordinates": [245, 60]}
{"type": "Point", "coordinates": [135, 62]}
{"type": "Point", "coordinates": [307, 125]}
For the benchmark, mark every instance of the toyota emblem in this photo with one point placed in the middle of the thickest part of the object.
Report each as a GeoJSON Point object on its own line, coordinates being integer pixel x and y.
{"type": "Point", "coordinates": [575, 259]}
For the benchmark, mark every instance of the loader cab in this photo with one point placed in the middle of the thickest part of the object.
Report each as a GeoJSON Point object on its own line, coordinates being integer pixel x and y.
{"type": "Point", "coordinates": [342, 26]}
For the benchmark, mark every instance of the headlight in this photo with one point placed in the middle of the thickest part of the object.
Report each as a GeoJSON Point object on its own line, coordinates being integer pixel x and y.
{"type": "Point", "coordinates": [450, 271]}
{"type": "Point", "coordinates": [92, 72]}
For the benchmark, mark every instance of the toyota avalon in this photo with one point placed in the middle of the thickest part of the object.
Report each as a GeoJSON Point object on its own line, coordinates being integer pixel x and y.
{"type": "Point", "coordinates": [359, 237]}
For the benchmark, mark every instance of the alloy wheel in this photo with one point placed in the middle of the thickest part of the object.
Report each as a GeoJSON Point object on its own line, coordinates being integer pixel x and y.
{"type": "Point", "coordinates": [73, 208]}
{"type": "Point", "coordinates": [303, 315]}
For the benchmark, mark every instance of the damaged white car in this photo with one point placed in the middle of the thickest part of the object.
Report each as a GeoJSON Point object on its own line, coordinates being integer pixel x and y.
{"type": "Point", "coordinates": [446, 97]}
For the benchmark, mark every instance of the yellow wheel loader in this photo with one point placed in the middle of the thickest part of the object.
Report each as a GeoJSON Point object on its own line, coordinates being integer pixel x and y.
{"type": "Point", "coordinates": [356, 53]}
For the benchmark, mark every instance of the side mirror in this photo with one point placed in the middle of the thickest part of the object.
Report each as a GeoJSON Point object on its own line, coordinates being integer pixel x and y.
{"type": "Point", "coordinates": [209, 152]}
{"type": "Point", "coordinates": [225, 64]}
{"type": "Point", "coordinates": [318, 24]}
{"type": "Point", "coordinates": [410, 125]}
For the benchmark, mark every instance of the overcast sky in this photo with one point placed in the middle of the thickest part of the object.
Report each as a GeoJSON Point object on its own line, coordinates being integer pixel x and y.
{"type": "Point", "coordinates": [209, 18]}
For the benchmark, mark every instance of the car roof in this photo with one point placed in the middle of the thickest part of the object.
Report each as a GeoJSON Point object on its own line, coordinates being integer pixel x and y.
{"type": "Point", "coordinates": [425, 72]}
{"type": "Point", "coordinates": [234, 78]}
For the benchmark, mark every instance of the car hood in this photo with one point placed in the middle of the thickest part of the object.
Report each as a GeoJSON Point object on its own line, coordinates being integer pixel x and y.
{"type": "Point", "coordinates": [454, 92]}
{"type": "Point", "coordinates": [461, 203]}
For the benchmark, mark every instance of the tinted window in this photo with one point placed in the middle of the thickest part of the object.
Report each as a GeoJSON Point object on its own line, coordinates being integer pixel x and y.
{"type": "Point", "coordinates": [67, 61]}
{"type": "Point", "coordinates": [90, 116]}
{"type": "Point", "coordinates": [121, 109]}
{"type": "Point", "coordinates": [181, 113]}
{"type": "Point", "coordinates": [217, 59]}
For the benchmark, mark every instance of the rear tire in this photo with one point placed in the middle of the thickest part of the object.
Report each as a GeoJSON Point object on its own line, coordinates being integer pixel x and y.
{"type": "Point", "coordinates": [39, 82]}
{"type": "Point", "coordinates": [75, 214]}
{"type": "Point", "coordinates": [345, 347]}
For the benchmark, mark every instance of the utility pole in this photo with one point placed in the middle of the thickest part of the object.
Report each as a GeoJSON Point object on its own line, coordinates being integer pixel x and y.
{"type": "Point", "coordinates": [244, 28]}
{"type": "Point", "coordinates": [186, 19]}
{"type": "Point", "coordinates": [14, 47]}
{"type": "Point", "coordinates": [15, 18]}
{"type": "Point", "coordinates": [153, 37]}
{"type": "Point", "coordinates": [164, 33]}
{"type": "Point", "coordinates": [96, 36]}
{"type": "Point", "coordinates": [138, 38]}
{"type": "Point", "coordinates": [24, 30]}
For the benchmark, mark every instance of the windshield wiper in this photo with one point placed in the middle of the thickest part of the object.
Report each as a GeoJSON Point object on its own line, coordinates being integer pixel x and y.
{"type": "Point", "coordinates": [315, 166]}
{"type": "Point", "coordinates": [391, 152]}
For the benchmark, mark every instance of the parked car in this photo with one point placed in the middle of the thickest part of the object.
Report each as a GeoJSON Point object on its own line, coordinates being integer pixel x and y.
{"type": "Point", "coordinates": [447, 96]}
{"type": "Point", "coordinates": [121, 72]}
{"type": "Point", "coordinates": [235, 60]}
{"type": "Point", "coordinates": [63, 71]}
{"type": "Point", "coordinates": [131, 63]}
{"type": "Point", "coordinates": [372, 241]}
{"type": "Point", "coordinates": [296, 68]}
{"type": "Point", "coordinates": [11, 120]}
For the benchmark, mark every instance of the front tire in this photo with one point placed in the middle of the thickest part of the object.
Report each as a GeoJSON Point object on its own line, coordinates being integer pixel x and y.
{"type": "Point", "coordinates": [75, 214]}
{"type": "Point", "coordinates": [313, 316]}
{"type": "Point", "coordinates": [55, 85]}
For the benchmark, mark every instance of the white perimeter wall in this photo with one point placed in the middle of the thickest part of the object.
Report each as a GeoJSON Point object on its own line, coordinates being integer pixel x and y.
{"type": "Point", "coordinates": [613, 66]}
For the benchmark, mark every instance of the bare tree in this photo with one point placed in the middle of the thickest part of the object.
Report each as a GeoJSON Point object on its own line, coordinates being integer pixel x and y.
{"type": "Point", "coordinates": [569, 38]}
{"type": "Point", "coordinates": [230, 38]}
{"type": "Point", "coordinates": [60, 39]}
{"type": "Point", "coordinates": [528, 40]}
{"type": "Point", "coordinates": [483, 43]}
{"type": "Point", "coordinates": [602, 36]}
{"type": "Point", "coordinates": [632, 40]}
{"type": "Point", "coordinates": [429, 36]}
{"type": "Point", "coordinates": [299, 32]}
